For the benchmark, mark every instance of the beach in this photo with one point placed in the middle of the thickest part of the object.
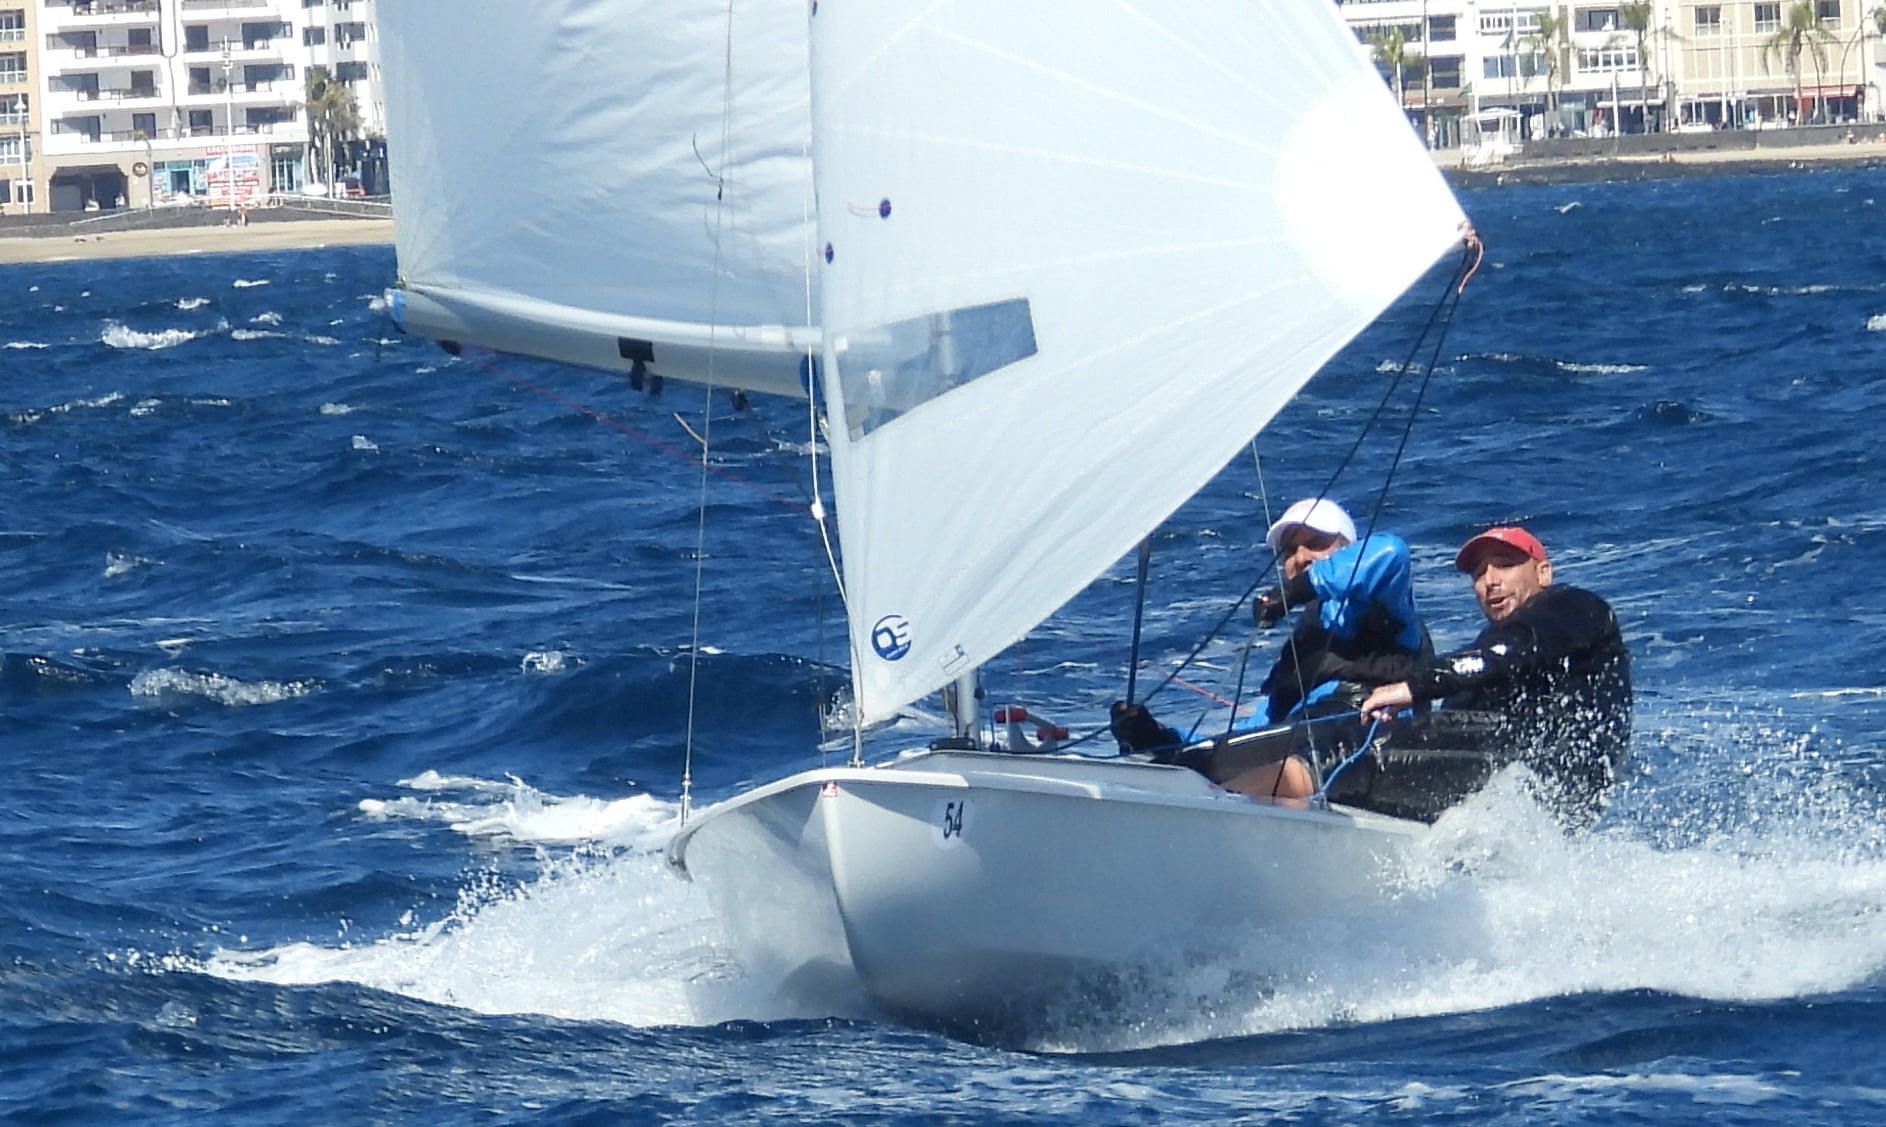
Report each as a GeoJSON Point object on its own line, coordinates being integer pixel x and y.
{"type": "Point", "coordinates": [273, 235]}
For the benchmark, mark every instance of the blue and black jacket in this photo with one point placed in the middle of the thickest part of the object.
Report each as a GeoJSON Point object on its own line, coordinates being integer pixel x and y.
{"type": "Point", "coordinates": [1359, 626]}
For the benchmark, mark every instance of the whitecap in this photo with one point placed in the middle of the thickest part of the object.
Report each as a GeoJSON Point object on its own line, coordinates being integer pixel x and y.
{"type": "Point", "coordinates": [216, 687]}
{"type": "Point", "coordinates": [24, 344]}
{"type": "Point", "coordinates": [365, 445]}
{"type": "Point", "coordinates": [245, 283]}
{"type": "Point", "coordinates": [337, 409]}
{"type": "Point", "coordinates": [189, 303]}
{"type": "Point", "coordinates": [543, 662]}
{"type": "Point", "coordinates": [266, 319]}
{"type": "Point", "coordinates": [1876, 323]}
{"type": "Point", "coordinates": [257, 334]}
{"type": "Point", "coordinates": [123, 563]}
{"type": "Point", "coordinates": [118, 335]}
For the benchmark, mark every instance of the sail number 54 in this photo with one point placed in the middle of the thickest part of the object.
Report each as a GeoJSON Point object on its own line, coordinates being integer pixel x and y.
{"type": "Point", "coordinates": [951, 822]}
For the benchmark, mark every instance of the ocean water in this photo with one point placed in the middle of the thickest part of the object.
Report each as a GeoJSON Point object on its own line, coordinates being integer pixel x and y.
{"type": "Point", "coordinates": [346, 702]}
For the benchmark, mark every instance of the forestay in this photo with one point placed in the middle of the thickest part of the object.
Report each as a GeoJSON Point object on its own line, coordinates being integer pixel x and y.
{"type": "Point", "coordinates": [1077, 253]}
{"type": "Point", "coordinates": [606, 182]}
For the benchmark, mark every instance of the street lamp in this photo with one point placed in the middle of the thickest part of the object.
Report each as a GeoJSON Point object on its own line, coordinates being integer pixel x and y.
{"type": "Point", "coordinates": [229, 126]}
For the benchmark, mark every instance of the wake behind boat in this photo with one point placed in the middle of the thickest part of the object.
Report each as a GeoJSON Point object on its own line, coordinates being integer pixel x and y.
{"type": "Point", "coordinates": [1068, 260]}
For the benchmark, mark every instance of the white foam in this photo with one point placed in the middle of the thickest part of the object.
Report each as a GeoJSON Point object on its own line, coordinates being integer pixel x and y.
{"type": "Point", "coordinates": [245, 283]}
{"type": "Point", "coordinates": [189, 303]}
{"type": "Point", "coordinates": [24, 344]}
{"type": "Point", "coordinates": [1495, 908]}
{"type": "Point", "coordinates": [1876, 323]}
{"type": "Point", "coordinates": [225, 690]}
{"type": "Point", "coordinates": [515, 811]}
{"type": "Point", "coordinates": [119, 336]}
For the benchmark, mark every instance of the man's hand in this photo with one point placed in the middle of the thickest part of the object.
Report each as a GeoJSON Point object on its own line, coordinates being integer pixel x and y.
{"type": "Point", "coordinates": [1386, 700]}
{"type": "Point", "coordinates": [1269, 608]}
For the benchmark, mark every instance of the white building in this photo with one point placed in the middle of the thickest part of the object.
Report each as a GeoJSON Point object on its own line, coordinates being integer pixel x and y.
{"type": "Point", "coordinates": [1690, 64]}
{"type": "Point", "coordinates": [140, 103]}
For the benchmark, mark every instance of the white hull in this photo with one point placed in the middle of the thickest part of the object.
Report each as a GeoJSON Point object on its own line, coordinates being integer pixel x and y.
{"type": "Point", "coordinates": [992, 893]}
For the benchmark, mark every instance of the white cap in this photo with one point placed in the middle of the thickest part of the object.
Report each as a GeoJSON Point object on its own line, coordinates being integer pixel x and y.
{"type": "Point", "coordinates": [1318, 513]}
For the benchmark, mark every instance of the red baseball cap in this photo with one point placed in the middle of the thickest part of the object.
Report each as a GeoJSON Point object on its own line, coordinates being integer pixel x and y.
{"type": "Point", "coordinates": [1512, 537]}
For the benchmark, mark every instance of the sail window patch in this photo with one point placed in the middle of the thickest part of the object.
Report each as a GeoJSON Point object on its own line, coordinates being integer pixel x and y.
{"type": "Point", "coordinates": [893, 369]}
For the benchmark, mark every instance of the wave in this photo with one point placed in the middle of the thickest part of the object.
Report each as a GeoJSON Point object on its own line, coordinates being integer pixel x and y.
{"type": "Point", "coordinates": [118, 335]}
{"type": "Point", "coordinates": [158, 684]}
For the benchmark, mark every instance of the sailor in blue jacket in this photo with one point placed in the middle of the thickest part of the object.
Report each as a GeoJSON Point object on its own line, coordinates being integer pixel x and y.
{"type": "Point", "coordinates": [1359, 627]}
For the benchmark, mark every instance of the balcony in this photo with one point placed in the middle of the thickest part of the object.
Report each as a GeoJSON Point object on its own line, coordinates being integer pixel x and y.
{"type": "Point", "coordinates": [109, 12]}
{"type": "Point", "coordinates": [211, 7]}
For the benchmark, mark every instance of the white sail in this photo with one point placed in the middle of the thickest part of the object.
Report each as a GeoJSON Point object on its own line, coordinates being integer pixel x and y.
{"type": "Point", "coordinates": [1078, 253]}
{"type": "Point", "coordinates": [605, 182]}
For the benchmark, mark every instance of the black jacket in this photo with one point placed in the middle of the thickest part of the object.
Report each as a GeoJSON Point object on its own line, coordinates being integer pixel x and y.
{"type": "Point", "coordinates": [1557, 672]}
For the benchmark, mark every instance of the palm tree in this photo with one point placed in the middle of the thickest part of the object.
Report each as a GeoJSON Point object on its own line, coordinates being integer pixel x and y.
{"type": "Point", "coordinates": [1553, 40]}
{"type": "Point", "coordinates": [1800, 33]}
{"type": "Point", "coordinates": [1391, 49]}
{"type": "Point", "coordinates": [1637, 17]}
{"type": "Point", "coordinates": [332, 118]}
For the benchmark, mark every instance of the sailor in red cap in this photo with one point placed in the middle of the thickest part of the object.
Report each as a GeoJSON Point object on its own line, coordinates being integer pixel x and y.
{"type": "Point", "coordinates": [1551, 664]}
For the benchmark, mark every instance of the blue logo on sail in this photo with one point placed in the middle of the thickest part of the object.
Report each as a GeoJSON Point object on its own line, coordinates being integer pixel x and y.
{"type": "Point", "coordinates": [891, 637]}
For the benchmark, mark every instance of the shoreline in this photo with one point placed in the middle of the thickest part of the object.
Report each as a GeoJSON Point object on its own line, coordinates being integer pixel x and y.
{"type": "Point", "coordinates": [295, 233]}
{"type": "Point", "coordinates": [286, 234]}
{"type": "Point", "coordinates": [1663, 164]}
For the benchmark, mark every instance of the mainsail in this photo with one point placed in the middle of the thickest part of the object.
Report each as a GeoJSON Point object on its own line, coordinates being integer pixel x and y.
{"type": "Point", "coordinates": [617, 183]}
{"type": "Point", "coordinates": [1075, 256]}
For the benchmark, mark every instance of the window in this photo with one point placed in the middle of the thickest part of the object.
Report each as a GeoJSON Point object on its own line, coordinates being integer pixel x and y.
{"type": "Point", "coordinates": [1607, 60]}
{"type": "Point", "coordinates": [202, 124]}
{"type": "Point", "coordinates": [350, 72]}
{"type": "Point", "coordinates": [313, 36]}
{"type": "Point", "coordinates": [145, 123]}
{"type": "Point", "coordinates": [1708, 19]}
{"type": "Point", "coordinates": [1768, 17]}
{"type": "Point", "coordinates": [12, 69]}
{"type": "Point", "coordinates": [196, 37]}
{"type": "Point", "coordinates": [1441, 29]}
{"type": "Point", "coordinates": [1596, 19]}
{"type": "Point", "coordinates": [1828, 11]}
{"type": "Point", "coordinates": [89, 127]}
{"type": "Point", "coordinates": [284, 168]}
{"type": "Point", "coordinates": [12, 25]}
{"type": "Point", "coordinates": [1444, 72]}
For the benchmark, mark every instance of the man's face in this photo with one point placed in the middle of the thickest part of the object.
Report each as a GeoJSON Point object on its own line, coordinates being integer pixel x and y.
{"type": "Point", "coordinates": [1505, 579]}
{"type": "Point", "coordinates": [1302, 546]}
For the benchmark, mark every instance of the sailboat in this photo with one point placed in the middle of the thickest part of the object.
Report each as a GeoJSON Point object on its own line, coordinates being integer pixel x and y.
{"type": "Point", "coordinates": [1044, 269]}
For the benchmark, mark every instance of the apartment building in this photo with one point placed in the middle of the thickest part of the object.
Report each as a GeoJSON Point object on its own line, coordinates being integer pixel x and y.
{"type": "Point", "coordinates": [20, 166]}
{"type": "Point", "coordinates": [156, 103]}
{"type": "Point", "coordinates": [1564, 67]}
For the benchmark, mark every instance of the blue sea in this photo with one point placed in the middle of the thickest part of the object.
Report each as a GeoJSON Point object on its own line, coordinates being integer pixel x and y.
{"type": "Point", "coordinates": [349, 689]}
